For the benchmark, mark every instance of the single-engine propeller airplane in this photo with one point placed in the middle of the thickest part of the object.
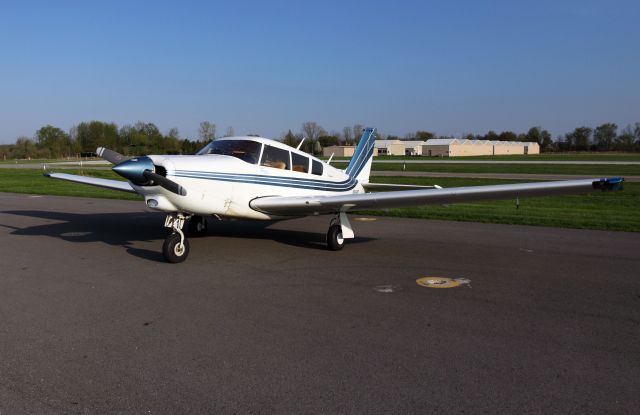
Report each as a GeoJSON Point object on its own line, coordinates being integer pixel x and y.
{"type": "Point", "coordinates": [259, 178]}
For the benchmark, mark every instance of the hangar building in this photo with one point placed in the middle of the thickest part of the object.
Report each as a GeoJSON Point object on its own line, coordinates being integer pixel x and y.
{"type": "Point", "coordinates": [454, 147]}
{"type": "Point", "coordinates": [342, 151]}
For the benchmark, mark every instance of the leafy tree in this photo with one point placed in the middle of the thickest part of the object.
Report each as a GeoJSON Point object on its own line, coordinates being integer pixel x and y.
{"type": "Point", "coordinates": [604, 136]}
{"type": "Point", "coordinates": [491, 135]}
{"type": "Point", "coordinates": [507, 136]}
{"type": "Point", "coordinates": [24, 148]}
{"type": "Point", "coordinates": [540, 136]}
{"type": "Point", "coordinates": [290, 139]}
{"type": "Point", "coordinates": [328, 140]}
{"type": "Point", "coordinates": [94, 134]}
{"type": "Point", "coordinates": [625, 141]}
{"type": "Point", "coordinates": [54, 140]}
{"type": "Point", "coordinates": [425, 135]}
{"type": "Point", "coordinates": [579, 138]}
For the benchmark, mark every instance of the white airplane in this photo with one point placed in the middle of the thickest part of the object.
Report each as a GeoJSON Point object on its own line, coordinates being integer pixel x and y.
{"type": "Point", "coordinates": [259, 178]}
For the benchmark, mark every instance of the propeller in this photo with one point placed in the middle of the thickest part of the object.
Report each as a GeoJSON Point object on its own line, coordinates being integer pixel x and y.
{"type": "Point", "coordinates": [141, 171]}
{"type": "Point", "coordinates": [165, 183]}
{"type": "Point", "coordinates": [110, 155]}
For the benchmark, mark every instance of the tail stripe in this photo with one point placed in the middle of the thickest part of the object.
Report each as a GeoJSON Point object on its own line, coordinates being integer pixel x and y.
{"type": "Point", "coordinates": [363, 152]}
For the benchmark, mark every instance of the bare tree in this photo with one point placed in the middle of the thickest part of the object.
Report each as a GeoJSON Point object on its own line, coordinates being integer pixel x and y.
{"type": "Point", "coordinates": [346, 134]}
{"type": "Point", "coordinates": [230, 132]}
{"type": "Point", "coordinates": [173, 133]}
{"type": "Point", "coordinates": [357, 132]}
{"type": "Point", "coordinates": [312, 131]}
{"type": "Point", "coordinates": [207, 131]}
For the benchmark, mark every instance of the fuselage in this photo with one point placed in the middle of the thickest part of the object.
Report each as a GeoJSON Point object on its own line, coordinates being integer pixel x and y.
{"type": "Point", "coordinates": [226, 175]}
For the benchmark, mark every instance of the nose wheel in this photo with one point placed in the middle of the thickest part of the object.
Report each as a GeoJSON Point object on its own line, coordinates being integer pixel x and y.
{"type": "Point", "coordinates": [176, 247]}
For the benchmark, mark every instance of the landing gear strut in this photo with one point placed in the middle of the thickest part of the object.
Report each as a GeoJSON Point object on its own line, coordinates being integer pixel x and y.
{"type": "Point", "coordinates": [176, 247]}
{"type": "Point", "coordinates": [197, 226]}
{"type": "Point", "coordinates": [339, 230]}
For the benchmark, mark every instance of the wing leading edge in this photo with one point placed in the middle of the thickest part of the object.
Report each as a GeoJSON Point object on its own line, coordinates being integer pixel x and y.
{"type": "Point", "coordinates": [94, 181]}
{"type": "Point", "coordinates": [302, 206]}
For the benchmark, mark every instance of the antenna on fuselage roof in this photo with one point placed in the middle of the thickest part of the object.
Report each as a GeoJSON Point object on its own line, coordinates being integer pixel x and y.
{"type": "Point", "coordinates": [330, 158]}
{"type": "Point", "coordinates": [303, 138]}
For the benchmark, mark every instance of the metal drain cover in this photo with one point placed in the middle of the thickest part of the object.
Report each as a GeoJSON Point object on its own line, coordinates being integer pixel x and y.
{"type": "Point", "coordinates": [441, 282]}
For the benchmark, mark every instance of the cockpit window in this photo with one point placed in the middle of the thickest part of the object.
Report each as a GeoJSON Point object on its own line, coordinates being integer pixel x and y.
{"type": "Point", "coordinates": [245, 150]}
{"type": "Point", "coordinates": [300, 163]}
{"type": "Point", "coordinates": [316, 168]}
{"type": "Point", "coordinates": [275, 157]}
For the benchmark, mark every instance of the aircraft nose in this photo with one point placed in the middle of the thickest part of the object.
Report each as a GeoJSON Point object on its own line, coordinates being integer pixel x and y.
{"type": "Point", "coordinates": [133, 169]}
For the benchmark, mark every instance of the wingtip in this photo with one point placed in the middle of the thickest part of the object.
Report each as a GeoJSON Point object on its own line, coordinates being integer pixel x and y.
{"type": "Point", "coordinates": [613, 183]}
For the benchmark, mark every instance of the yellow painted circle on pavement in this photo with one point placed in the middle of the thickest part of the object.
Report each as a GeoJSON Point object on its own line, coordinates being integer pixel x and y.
{"type": "Point", "coordinates": [437, 282]}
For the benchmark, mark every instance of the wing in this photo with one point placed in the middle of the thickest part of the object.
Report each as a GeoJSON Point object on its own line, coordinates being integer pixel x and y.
{"type": "Point", "coordinates": [94, 181]}
{"type": "Point", "coordinates": [392, 186]}
{"type": "Point", "coordinates": [313, 205]}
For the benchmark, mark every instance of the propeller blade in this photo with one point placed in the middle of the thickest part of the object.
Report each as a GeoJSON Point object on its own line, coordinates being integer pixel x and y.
{"type": "Point", "coordinates": [165, 183]}
{"type": "Point", "coordinates": [110, 155]}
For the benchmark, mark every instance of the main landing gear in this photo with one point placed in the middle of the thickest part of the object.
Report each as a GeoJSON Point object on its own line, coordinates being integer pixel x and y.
{"type": "Point", "coordinates": [339, 230]}
{"type": "Point", "coordinates": [197, 226]}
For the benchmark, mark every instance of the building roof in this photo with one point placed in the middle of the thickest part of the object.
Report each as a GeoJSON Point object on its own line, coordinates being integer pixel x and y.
{"type": "Point", "coordinates": [441, 141]}
{"type": "Point", "coordinates": [386, 143]}
{"type": "Point", "coordinates": [412, 143]}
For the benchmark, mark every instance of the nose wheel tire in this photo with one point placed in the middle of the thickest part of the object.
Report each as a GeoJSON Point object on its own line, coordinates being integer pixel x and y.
{"type": "Point", "coordinates": [335, 241]}
{"type": "Point", "coordinates": [197, 226]}
{"type": "Point", "coordinates": [174, 251]}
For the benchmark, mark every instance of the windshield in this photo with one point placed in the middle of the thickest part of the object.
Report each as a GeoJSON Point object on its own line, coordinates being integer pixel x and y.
{"type": "Point", "coordinates": [245, 150]}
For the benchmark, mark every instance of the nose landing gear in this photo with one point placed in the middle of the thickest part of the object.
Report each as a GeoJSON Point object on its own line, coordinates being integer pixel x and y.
{"type": "Point", "coordinates": [176, 247]}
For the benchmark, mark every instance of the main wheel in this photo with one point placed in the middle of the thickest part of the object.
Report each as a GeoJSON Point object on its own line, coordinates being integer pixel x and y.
{"type": "Point", "coordinates": [197, 226]}
{"type": "Point", "coordinates": [335, 241]}
{"type": "Point", "coordinates": [173, 251]}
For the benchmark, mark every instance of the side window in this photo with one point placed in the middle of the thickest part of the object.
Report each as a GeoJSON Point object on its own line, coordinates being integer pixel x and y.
{"type": "Point", "coordinates": [275, 157]}
{"type": "Point", "coordinates": [316, 168]}
{"type": "Point", "coordinates": [300, 163]}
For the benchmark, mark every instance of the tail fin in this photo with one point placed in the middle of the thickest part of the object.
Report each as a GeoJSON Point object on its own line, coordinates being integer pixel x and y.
{"type": "Point", "coordinates": [360, 164]}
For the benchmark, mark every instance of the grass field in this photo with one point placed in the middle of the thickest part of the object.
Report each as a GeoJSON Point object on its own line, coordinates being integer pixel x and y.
{"type": "Point", "coordinates": [617, 211]}
{"type": "Point", "coordinates": [586, 156]}
{"type": "Point", "coordinates": [32, 181]}
{"type": "Point", "coordinates": [591, 170]}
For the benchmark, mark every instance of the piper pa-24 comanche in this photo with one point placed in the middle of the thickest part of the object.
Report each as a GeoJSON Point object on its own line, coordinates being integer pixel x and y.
{"type": "Point", "coordinates": [259, 178]}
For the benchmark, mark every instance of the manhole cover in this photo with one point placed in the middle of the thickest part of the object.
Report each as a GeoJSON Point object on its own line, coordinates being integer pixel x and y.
{"type": "Point", "coordinates": [441, 282]}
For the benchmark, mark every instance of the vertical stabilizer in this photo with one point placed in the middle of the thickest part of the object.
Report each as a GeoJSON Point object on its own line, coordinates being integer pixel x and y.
{"type": "Point", "coordinates": [360, 164]}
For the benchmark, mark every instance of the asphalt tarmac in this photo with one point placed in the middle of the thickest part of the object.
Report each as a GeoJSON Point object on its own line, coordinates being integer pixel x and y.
{"type": "Point", "coordinates": [262, 319]}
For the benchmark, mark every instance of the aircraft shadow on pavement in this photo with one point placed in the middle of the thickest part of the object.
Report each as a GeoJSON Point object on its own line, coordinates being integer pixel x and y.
{"type": "Point", "coordinates": [124, 229]}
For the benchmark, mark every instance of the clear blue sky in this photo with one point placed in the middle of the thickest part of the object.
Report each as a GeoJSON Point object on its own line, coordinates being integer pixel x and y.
{"type": "Point", "coordinates": [266, 66]}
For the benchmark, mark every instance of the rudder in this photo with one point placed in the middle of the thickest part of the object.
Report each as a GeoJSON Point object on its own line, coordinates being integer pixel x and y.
{"type": "Point", "coordinates": [360, 164]}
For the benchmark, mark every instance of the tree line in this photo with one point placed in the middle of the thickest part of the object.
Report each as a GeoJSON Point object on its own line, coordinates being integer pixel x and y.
{"type": "Point", "coordinates": [146, 138]}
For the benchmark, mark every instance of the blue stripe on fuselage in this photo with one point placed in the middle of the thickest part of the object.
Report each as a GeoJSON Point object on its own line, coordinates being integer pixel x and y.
{"type": "Point", "coordinates": [281, 181]}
